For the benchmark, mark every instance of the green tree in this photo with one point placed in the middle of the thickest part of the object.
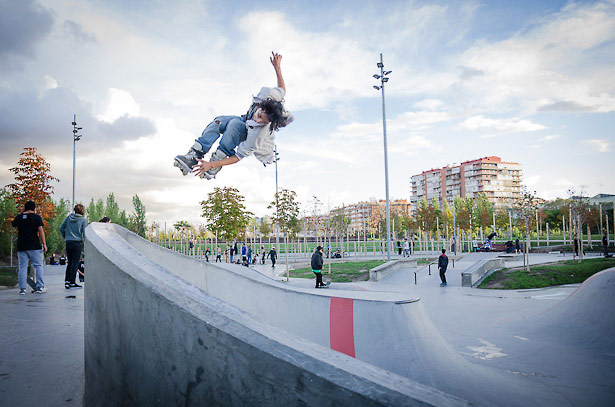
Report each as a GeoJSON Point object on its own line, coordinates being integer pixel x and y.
{"type": "Point", "coordinates": [225, 212]}
{"type": "Point", "coordinates": [287, 215]}
{"type": "Point", "coordinates": [265, 228]}
{"type": "Point", "coordinates": [95, 211]}
{"type": "Point", "coordinates": [55, 241]}
{"type": "Point", "coordinates": [483, 211]}
{"type": "Point", "coordinates": [338, 222]}
{"type": "Point", "coordinates": [112, 210]}
{"type": "Point", "coordinates": [138, 222]}
{"type": "Point", "coordinates": [526, 214]}
{"type": "Point", "coordinates": [124, 219]}
{"type": "Point", "coordinates": [7, 212]}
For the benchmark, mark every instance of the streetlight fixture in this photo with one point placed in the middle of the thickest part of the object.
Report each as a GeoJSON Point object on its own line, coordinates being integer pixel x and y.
{"type": "Point", "coordinates": [383, 79]}
{"type": "Point", "coordinates": [277, 223]}
{"type": "Point", "coordinates": [76, 137]}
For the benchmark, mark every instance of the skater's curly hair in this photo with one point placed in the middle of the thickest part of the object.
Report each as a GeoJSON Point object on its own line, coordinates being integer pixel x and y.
{"type": "Point", "coordinates": [274, 111]}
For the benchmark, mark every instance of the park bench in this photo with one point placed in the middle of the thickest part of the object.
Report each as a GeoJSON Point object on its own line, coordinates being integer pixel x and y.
{"type": "Point", "coordinates": [497, 247]}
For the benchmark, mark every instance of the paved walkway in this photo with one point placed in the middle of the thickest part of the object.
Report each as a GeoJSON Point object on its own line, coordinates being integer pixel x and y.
{"type": "Point", "coordinates": [41, 345]}
{"type": "Point", "coordinates": [41, 351]}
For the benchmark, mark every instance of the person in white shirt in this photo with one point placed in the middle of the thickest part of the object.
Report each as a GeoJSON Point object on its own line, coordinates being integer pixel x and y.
{"type": "Point", "coordinates": [242, 136]}
{"type": "Point", "coordinates": [406, 248]}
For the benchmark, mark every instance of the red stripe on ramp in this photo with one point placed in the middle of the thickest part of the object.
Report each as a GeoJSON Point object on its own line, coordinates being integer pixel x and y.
{"type": "Point", "coordinates": [341, 329]}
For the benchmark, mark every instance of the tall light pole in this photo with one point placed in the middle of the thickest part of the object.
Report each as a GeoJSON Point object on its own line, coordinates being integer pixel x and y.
{"type": "Point", "coordinates": [383, 78]}
{"type": "Point", "coordinates": [76, 137]}
{"type": "Point", "coordinates": [277, 223]}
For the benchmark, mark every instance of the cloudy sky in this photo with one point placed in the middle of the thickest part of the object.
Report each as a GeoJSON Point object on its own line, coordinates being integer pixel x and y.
{"type": "Point", "coordinates": [530, 81]}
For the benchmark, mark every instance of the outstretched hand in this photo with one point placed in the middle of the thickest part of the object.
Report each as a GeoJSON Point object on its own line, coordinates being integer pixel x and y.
{"type": "Point", "coordinates": [276, 60]}
{"type": "Point", "coordinates": [202, 167]}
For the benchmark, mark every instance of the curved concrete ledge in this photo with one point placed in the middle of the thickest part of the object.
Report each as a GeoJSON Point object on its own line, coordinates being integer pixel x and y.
{"type": "Point", "coordinates": [474, 274]}
{"type": "Point", "coordinates": [163, 326]}
{"type": "Point", "coordinates": [383, 270]}
{"type": "Point", "coordinates": [155, 339]}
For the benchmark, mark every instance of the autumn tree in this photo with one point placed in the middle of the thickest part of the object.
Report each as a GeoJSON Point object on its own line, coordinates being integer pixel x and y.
{"type": "Point", "coordinates": [33, 183]}
{"type": "Point", "coordinates": [225, 212]}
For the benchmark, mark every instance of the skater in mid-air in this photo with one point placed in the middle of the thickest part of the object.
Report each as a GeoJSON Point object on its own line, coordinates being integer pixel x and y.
{"type": "Point", "coordinates": [242, 136]}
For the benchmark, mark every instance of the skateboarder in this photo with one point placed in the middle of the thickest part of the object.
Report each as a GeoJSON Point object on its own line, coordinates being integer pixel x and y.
{"type": "Point", "coordinates": [272, 255]}
{"type": "Point", "coordinates": [317, 263]}
{"type": "Point", "coordinates": [242, 136]}
{"type": "Point", "coordinates": [442, 266]}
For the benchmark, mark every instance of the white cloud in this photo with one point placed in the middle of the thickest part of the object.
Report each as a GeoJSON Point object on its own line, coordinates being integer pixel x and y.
{"type": "Point", "coordinates": [429, 104]}
{"type": "Point", "coordinates": [119, 103]}
{"type": "Point", "coordinates": [512, 125]}
{"type": "Point", "coordinates": [558, 59]}
{"type": "Point", "coordinates": [549, 137]}
{"type": "Point", "coordinates": [531, 180]}
{"type": "Point", "coordinates": [50, 82]}
{"type": "Point", "coordinates": [600, 145]}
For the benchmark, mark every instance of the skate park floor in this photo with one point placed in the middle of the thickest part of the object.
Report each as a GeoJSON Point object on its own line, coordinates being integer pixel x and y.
{"type": "Point", "coordinates": [41, 356]}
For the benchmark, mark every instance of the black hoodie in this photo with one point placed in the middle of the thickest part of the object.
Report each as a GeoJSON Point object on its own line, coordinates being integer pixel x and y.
{"type": "Point", "coordinates": [317, 260]}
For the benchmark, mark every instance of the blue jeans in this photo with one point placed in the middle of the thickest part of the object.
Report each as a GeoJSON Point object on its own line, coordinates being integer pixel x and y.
{"type": "Point", "coordinates": [233, 130]}
{"type": "Point", "coordinates": [36, 257]}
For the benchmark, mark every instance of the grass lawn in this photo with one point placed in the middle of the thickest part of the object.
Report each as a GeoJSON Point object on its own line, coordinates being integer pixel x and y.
{"type": "Point", "coordinates": [341, 272]}
{"type": "Point", "coordinates": [8, 276]}
{"type": "Point", "coordinates": [564, 272]}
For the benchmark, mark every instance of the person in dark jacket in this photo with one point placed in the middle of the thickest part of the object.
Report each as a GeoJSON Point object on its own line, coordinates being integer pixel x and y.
{"type": "Point", "coordinates": [442, 266]}
{"type": "Point", "coordinates": [272, 255]}
{"type": "Point", "coordinates": [317, 263]}
{"type": "Point", "coordinates": [73, 232]}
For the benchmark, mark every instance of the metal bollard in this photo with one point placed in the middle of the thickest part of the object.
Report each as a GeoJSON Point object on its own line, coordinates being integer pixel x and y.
{"type": "Point", "coordinates": [415, 278]}
{"type": "Point", "coordinates": [453, 263]}
{"type": "Point", "coordinates": [429, 268]}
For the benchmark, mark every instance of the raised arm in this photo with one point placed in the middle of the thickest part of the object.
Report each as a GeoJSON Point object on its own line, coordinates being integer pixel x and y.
{"type": "Point", "coordinates": [276, 61]}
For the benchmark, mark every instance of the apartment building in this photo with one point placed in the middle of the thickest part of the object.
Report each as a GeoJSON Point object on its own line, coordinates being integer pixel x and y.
{"type": "Point", "coordinates": [363, 216]}
{"type": "Point", "coordinates": [500, 181]}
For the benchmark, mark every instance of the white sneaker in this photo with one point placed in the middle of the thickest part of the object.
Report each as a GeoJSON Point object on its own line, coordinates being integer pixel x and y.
{"type": "Point", "coordinates": [22, 291]}
{"type": "Point", "coordinates": [41, 290]}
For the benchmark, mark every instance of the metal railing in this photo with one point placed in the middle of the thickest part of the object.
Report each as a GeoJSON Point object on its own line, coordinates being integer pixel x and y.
{"type": "Point", "coordinates": [428, 267]}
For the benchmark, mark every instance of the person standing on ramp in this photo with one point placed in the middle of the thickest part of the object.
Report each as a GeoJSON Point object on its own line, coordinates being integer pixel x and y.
{"type": "Point", "coordinates": [442, 266]}
{"type": "Point", "coordinates": [317, 263]}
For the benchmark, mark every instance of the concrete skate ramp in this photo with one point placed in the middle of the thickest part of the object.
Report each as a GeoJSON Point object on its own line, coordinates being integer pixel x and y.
{"type": "Point", "coordinates": [389, 331]}
{"type": "Point", "coordinates": [585, 319]}
{"type": "Point", "coordinates": [153, 339]}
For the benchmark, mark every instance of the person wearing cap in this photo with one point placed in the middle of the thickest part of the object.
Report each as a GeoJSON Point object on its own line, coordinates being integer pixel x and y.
{"type": "Point", "coordinates": [242, 136]}
{"type": "Point", "coordinates": [317, 263]}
